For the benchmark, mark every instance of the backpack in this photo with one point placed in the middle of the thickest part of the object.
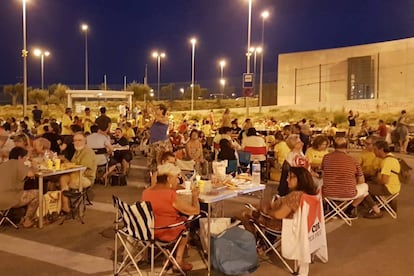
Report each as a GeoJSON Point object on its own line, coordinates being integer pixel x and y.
{"type": "Point", "coordinates": [405, 170]}
{"type": "Point", "coordinates": [234, 252]}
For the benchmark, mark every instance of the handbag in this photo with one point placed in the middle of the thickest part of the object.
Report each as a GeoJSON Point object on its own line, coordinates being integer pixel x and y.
{"type": "Point", "coordinates": [118, 179]}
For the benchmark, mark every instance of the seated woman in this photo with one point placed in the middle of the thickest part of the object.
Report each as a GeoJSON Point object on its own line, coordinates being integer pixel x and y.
{"type": "Point", "coordinates": [13, 173]}
{"type": "Point", "coordinates": [41, 146]}
{"type": "Point", "coordinates": [168, 157]}
{"type": "Point", "coordinates": [295, 158]}
{"type": "Point", "coordinates": [315, 155]}
{"type": "Point", "coordinates": [226, 152]}
{"type": "Point", "coordinates": [300, 182]}
{"type": "Point", "coordinates": [194, 150]}
{"type": "Point", "coordinates": [167, 208]}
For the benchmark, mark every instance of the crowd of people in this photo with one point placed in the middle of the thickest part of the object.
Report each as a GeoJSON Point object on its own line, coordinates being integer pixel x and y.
{"type": "Point", "coordinates": [295, 155]}
{"type": "Point", "coordinates": [87, 141]}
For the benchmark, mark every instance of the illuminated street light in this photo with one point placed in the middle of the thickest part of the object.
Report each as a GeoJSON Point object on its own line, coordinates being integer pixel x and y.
{"type": "Point", "coordinates": [255, 51]}
{"type": "Point", "coordinates": [24, 56]}
{"type": "Point", "coordinates": [222, 63]}
{"type": "Point", "coordinates": [158, 56]}
{"type": "Point", "coordinates": [193, 42]}
{"type": "Point", "coordinates": [42, 55]}
{"type": "Point", "coordinates": [264, 15]}
{"type": "Point", "coordinates": [85, 29]}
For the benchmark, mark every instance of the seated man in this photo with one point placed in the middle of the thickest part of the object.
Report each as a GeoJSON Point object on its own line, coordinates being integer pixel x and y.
{"type": "Point", "coordinates": [121, 155]}
{"type": "Point", "coordinates": [343, 176]}
{"type": "Point", "coordinates": [12, 194]}
{"type": "Point", "coordinates": [369, 162]}
{"type": "Point", "coordinates": [387, 182]}
{"type": "Point", "coordinates": [100, 143]}
{"type": "Point", "coordinates": [83, 156]}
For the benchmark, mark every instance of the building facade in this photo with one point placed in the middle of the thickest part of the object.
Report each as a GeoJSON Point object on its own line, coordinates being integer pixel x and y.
{"type": "Point", "coordinates": [371, 77]}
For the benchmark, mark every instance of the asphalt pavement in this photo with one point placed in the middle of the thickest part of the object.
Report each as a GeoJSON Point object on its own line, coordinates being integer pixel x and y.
{"type": "Point", "coordinates": [369, 247]}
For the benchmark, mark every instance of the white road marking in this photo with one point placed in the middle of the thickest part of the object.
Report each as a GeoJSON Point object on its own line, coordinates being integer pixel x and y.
{"type": "Point", "coordinates": [55, 255]}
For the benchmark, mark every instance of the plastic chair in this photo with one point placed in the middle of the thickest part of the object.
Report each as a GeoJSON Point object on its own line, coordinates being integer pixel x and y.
{"type": "Point", "coordinates": [244, 160]}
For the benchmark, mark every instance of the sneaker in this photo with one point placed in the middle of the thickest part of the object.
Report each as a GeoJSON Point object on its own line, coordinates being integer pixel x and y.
{"type": "Point", "coordinates": [373, 215]}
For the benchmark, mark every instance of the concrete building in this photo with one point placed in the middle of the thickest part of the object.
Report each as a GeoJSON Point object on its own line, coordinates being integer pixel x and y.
{"type": "Point", "coordinates": [371, 77]}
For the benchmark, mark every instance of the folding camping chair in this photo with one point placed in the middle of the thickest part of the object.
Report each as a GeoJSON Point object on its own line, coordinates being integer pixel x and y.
{"type": "Point", "coordinates": [304, 236]}
{"type": "Point", "coordinates": [134, 229]}
{"type": "Point", "coordinates": [268, 237]}
{"type": "Point", "coordinates": [384, 202]}
{"type": "Point", "coordinates": [338, 206]}
{"type": "Point", "coordinates": [4, 217]}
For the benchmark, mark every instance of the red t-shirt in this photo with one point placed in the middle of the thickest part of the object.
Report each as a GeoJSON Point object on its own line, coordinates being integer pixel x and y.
{"type": "Point", "coordinates": [165, 214]}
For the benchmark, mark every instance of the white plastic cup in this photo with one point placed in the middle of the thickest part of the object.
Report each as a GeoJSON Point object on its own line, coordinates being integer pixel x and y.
{"type": "Point", "coordinates": [187, 185]}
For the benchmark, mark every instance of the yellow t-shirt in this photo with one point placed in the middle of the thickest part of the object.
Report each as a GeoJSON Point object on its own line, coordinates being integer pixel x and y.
{"type": "Point", "coordinates": [281, 151]}
{"type": "Point", "coordinates": [87, 122]}
{"type": "Point", "coordinates": [370, 164]}
{"type": "Point", "coordinates": [315, 156]}
{"type": "Point", "coordinates": [391, 167]}
{"type": "Point", "coordinates": [66, 123]}
{"type": "Point", "coordinates": [129, 134]}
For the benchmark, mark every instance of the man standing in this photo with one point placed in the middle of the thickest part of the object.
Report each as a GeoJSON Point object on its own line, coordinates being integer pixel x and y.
{"type": "Point", "coordinates": [67, 122]}
{"type": "Point", "coordinates": [103, 121]}
{"type": "Point", "coordinates": [37, 114]}
{"type": "Point", "coordinates": [87, 120]}
{"type": "Point", "coordinates": [343, 177]}
{"type": "Point", "coordinates": [352, 123]}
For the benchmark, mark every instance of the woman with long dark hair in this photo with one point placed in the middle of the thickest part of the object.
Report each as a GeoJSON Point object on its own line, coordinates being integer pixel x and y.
{"type": "Point", "coordinates": [300, 182]}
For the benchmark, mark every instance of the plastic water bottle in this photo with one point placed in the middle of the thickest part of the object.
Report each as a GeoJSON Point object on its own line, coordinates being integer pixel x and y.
{"type": "Point", "coordinates": [256, 172]}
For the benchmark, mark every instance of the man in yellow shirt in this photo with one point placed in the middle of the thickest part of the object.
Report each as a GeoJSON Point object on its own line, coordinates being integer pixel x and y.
{"type": "Point", "coordinates": [387, 182]}
{"type": "Point", "coordinates": [87, 121]}
{"type": "Point", "coordinates": [370, 163]}
{"type": "Point", "coordinates": [67, 122]}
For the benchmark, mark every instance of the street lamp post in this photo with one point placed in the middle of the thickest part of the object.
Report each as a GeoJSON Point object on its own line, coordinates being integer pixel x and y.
{"type": "Point", "coordinates": [193, 42]}
{"type": "Point", "coordinates": [42, 55]}
{"type": "Point", "coordinates": [249, 32]}
{"type": "Point", "coordinates": [24, 56]}
{"type": "Point", "coordinates": [158, 56]}
{"type": "Point", "coordinates": [255, 51]}
{"type": "Point", "coordinates": [264, 15]}
{"type": "Point", "coordinates": [223, 84]}
{"type": "Point", "coordinates": [222, 63]}
{"type": "Point", "coordinates": [85, 29]}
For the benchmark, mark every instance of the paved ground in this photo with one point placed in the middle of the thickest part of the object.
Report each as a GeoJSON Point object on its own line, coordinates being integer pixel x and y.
{"type": "Point", "coordinates": [369, 247]}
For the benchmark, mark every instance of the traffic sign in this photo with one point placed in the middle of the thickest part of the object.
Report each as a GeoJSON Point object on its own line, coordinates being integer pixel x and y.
{"type": "Point", "coordinates": [248, 80]}
{"type": "Point", "coordinates": [248, 92]}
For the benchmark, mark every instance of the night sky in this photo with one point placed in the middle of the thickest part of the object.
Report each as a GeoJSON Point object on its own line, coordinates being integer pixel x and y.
{"type": "Point", "coordinates": [124, 33]}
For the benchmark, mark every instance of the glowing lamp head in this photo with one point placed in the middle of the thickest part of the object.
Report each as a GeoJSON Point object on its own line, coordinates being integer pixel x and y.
{"type": "Point", "coordinates": [265, 14]}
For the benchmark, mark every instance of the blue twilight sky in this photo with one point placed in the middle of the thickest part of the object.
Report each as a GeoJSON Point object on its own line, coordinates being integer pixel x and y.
{"type": "Point", "coordinates": [123, 34]}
